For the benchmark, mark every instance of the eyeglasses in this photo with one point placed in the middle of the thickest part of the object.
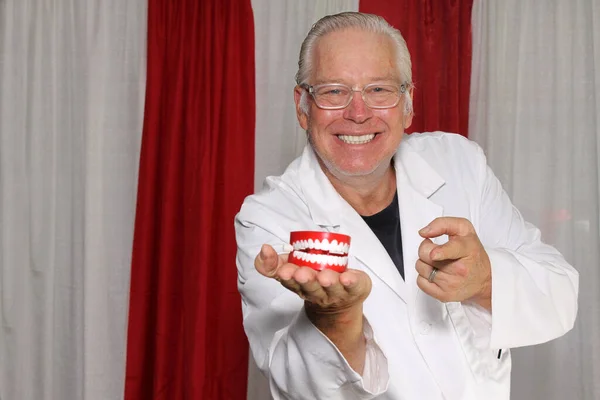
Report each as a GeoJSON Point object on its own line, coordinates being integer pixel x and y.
{"type": "Point", "coordinates": [335, 96]}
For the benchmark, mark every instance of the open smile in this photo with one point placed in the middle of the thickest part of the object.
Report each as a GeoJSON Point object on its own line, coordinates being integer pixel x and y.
{"type": "Point", "coordinates": [357, 139]}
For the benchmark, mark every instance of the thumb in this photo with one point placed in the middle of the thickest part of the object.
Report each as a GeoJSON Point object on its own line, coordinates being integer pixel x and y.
{"type": "Point", "coordinates": [267, 261]}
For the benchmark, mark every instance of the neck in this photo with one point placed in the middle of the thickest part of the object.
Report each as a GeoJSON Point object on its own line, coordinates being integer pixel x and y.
{"type": "Point", "coordinates": [368, 194]}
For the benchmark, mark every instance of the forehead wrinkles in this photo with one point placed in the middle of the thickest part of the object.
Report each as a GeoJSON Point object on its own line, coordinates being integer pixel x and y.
{"type": "Point", "coordinates": [353, 55]}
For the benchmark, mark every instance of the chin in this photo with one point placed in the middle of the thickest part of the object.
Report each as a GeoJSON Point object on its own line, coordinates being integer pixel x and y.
{"type": "Point", "coordinates": [353, 170]}
{"type": "Point", "coordinates": [348, 170]}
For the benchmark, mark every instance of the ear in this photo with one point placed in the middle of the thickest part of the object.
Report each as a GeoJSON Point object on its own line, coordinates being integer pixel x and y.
{"type": "Point", "coordinates": [408, 116]}
{"type": "Point", "coordinates": [300, 114]}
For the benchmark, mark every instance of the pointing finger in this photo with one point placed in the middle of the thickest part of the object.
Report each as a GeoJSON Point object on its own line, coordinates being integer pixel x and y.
{"type": "Point", "coordinates": [425, 249]}
{"type": "Point", "coordinates": [454, 249]}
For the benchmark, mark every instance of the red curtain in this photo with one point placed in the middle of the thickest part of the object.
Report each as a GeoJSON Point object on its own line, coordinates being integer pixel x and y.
{"type": "Point", "coordinates": [185, 338]}
{"type": "Point", "coordinates": [438, 33]}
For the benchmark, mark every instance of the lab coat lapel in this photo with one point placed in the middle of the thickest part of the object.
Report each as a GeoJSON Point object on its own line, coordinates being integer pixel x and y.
{"type": "Point", "coordinates": [367, 248]}
{"type": "Point", "coordinates": [416, 181]}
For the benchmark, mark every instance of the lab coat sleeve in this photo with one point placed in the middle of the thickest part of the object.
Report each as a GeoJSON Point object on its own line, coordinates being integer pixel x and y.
{"type": "Point", "coordinates": [534, 290]}
{"type": "Point", "coordinates": [298, 360]}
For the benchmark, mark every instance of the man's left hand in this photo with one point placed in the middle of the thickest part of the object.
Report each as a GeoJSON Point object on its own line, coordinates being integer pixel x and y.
{"type": "Point", "coordinates": [464, 272]}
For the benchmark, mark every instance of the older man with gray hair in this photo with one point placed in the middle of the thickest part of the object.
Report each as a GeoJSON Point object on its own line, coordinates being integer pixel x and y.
{"type": "Point", "coordinates": [444, 275]}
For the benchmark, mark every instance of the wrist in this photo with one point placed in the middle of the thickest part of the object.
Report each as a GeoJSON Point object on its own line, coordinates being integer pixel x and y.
{"type": "Point", "coordinates": [484, 297]}
{"type": "Point", "coordinates": [344, 328]}
{"type": "Point", "coordinates": [347, 322]}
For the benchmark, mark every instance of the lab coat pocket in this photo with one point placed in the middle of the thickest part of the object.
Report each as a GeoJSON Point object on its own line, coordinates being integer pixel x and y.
{"type": "Point", "coordinates": [485, 363]}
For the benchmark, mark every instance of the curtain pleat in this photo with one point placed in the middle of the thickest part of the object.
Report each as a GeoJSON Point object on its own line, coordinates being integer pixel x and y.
{"type": "Point", "coordinates": [185, 338]}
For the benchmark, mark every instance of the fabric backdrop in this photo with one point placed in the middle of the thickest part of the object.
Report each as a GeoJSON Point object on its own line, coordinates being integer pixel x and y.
{"type": "Point", "coordinates": [185, 338]}
{"type": "Point", "coordinates": [535, 105]}
{"type": "Point", "coordinates": [72, 77]}
{"type": "Point", "coordinates": [72, 93]}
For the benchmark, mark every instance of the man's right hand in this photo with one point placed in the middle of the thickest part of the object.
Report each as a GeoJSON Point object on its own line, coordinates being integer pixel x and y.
{"type": "Point", "coordinates": [327, 291]}
{"type": "Point", "coordinates": [333, 301]}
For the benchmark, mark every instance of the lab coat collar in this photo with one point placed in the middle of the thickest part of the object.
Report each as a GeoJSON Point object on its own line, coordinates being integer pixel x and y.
{"type": "Point", "coordinates": [321, 197]}
{"type": "Point", "coordinates": [324, 201]}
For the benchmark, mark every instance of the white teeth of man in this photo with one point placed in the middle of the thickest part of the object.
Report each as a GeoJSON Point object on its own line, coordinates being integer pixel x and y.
{"type": "Point", "coordinates": [321, 258]}
{"type": "Point", "coordinates": [333, 247]}
{"type": "Point", "coordinates": [357, 139]}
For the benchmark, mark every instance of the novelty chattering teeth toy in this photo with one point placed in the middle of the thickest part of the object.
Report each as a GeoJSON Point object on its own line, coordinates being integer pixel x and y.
{"type": "Point", "coordinates": [320, 250]}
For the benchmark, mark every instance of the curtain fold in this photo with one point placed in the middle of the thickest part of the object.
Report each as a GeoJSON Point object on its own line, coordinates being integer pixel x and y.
{"type": "Point", "coordinates": [438, 34]}
{"type": "Point", "coordinates": [535, 104]}
{"type": "Point", "coordinates": [185, 338]}
{"type": "Point", "coordinates": [71, 100]}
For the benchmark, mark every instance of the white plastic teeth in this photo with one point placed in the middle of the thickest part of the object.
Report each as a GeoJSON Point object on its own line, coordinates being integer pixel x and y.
{"type": "Point", "coordinates": [362, 139]}
{"type": "Point", "coordinates": [321, 258]}
{"type": "Point", "coordinates": [332, 247]}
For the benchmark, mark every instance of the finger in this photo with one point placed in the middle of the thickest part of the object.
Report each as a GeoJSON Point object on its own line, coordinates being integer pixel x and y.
{"type": "Point", "coordinates": [431, 289]}
{"type": "Point", "coordinates": [425, 249]}
{"type": "Point", "coordinates": [423, 269]}
{"type": "Point", "coordinates": [456, 248]}
{"type": "Point", "coordinates": [304, 275]}
{"type": "Point", "coordinates": [292, 286]}
{"type": "Point", "coordinates": [356, 283]}
{"type": "Point", "coordinates": [454, 268]}
{"type": "Point", "coordinates": [451, 226]}
{"type": "Point", "coordinates": [330, 282]}
{"type": "Point", "coordinates": [286, 272]}
{"type": "Point", "coordinates": [268, 261]}
{"type": "Point", "coordinates": [310, 287]}
{"type": "Point", "coordinates": [285, 275]}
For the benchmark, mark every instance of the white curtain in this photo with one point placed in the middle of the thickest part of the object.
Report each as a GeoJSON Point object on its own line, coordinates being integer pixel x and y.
{"type": "Point", "coordinates": [279, 28]}
{"type": "Point", "coordinates": [72, 78]}
{"type": "Point", "coordinates": [535, 107]}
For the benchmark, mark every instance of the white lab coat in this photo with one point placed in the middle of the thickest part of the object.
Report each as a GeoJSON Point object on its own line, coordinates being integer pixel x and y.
{"type": "Point", "coordinates": [427, 350]}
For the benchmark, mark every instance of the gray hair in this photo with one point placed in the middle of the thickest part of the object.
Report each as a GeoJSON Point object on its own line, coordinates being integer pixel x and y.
{"type": "Point", "coordinates": [367, 22]}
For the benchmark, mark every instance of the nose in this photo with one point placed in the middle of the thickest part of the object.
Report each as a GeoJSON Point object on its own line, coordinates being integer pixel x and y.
{"type": "Point", "coordinates": [357, 110]}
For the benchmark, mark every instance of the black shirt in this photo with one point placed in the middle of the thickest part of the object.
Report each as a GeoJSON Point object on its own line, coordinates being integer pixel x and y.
{"type": "Point", "coordinates": [386, 226]}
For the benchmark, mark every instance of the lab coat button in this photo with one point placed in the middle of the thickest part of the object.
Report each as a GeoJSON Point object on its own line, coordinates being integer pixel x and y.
{"type": "Point", "coordinates": [425, 327]}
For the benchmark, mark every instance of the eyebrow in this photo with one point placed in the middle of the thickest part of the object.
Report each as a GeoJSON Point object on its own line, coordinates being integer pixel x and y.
{"type": "Point", "coordinates": [371, 80]}
{"type": "Point", "coordinates": [321, 81]}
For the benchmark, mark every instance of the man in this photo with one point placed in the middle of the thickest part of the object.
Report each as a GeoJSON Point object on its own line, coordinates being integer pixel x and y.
{"type": "Point", "coordinates": [444, 275]}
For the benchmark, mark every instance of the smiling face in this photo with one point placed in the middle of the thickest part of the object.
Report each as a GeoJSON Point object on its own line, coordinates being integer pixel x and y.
{"type": "Point", "coordinates": [356, 140]}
